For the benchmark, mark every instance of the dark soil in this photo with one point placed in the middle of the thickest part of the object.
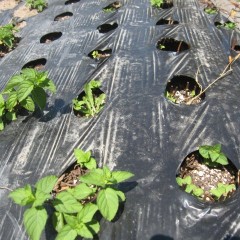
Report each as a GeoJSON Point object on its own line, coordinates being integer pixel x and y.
{"type": "Point", "coordinates": [206, 177]}
{"type": "Point", "coordinates": [5, 50]}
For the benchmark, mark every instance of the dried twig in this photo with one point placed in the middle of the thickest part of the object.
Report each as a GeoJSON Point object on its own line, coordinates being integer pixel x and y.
{"type": "Point", "coordinates": [6, 188]}
{"type": "Point", "coordinates": [224, 73]}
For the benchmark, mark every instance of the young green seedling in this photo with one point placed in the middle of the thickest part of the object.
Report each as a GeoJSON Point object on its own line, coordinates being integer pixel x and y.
{"type": "Point", "coordinates": [222, 190]}
{"type": "Point", "coordinates": [73, 211]}
{"type": "Point", "coordinates": [210, 10]}
{"type": "Point", "coordinates": [157, 3]}
{"type": "Point", "coordinates": [161, 46]}
{"type": "Point", "coordinates": [7, 35]}
{"type": "Point", "coordinates": [24, 90]}
{"type": "Point", "coordinates": [189, 187]}
{"type": "Point", "coordinates": [39, 5]}
{"type": "Point", "coordinates": [95, 54]}
{"type": "Point", "coordinates": [212, 155]}
{"type": "Point", "coordinates": [90, 104]}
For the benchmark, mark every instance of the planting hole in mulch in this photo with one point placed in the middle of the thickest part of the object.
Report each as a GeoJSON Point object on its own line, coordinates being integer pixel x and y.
{"type": "Point", "coordinates": [207, 178]}
{"type": "Point", "coordinates": [99, 54]}
{"type": "Point", "coordinates": [63, 16]}
{"type": "Point", "coordinates": [112, 7]}
{"type": "Point", "coordinates": [5, 50]}
{"type": "Point", "coordinates": [50, 37]}
{"type": "Point", "coordinates": [104, 28]}
{"type": "Point", "coordinates": [96, 93]}
{"type": "Point", "coordinates": [37, 64]}
{"type": "Point", "coordinates": [163, 21]}
{"type": "Point", "coordinates": [71, 2]}
{"type": "Point", "coordinates": [172, 45]}
{"type": "Point", "coordinates": [182, 89]}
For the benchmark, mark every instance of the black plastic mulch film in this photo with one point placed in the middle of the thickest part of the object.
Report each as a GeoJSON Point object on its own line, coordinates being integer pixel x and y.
{"type": "Point", "coordinates": [138, 130]}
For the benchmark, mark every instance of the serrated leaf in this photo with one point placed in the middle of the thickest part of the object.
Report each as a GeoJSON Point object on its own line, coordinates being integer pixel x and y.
{"type": "Point", "coordinates": [46, 184]}
{"type": "Point", "coordinates": [67, 233]}
{"type": "Point", "coordinates": [95, 177]}
{"type": "Point", "coordinates": [29, 74]}
{"type": "Point", "coordinates": [41, 197]}
{"type": "Point", "coordinates": [39, 97]}
{"type": "Point", "coordinates": [91, 164]}
{"type": "Point", "coordinates": [213, 155]}
{"type": "Point", "coordinates": [11, 101]}
{"type": "Point", "coordinates": [81, 191]}
{"type": "Point", "coordinates": [58, 221]}
{"type": "Point", "coordinates": [107, 202]}
{"type": "Point", "coordinates": [81, 156]}
{"type": "Point", "coordinates": [2, 101]}
{"type": "Point", "coordinates": [48, 85]}
{"type": "Point", "coordinates": [24, 90]}
{"type": "Point", "coordinates": [66, 203]}
{"type": "Point", "coordinates": [204, 150]}
{"type": "Point", "coordinates": [35, 221]}
{"type": "Point", "coordinates": [121, 176]}
{"type": "Point", "coordinates": [28, 104]}
{"type": "Point", "coordinates": [13, 82]}
{"type": "Point", "coordinates": [217, 148]}
{"type": "Point", "coordinates": [22, 196]}
{"type": "Point", "coordinates": [86, 214]}
{"type": "Point", "coordinates": [222, 159]}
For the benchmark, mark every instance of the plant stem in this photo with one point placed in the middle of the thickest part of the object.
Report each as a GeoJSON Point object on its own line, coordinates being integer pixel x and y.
{"type": "Point", "coordinates": [224, 73]}
{"type": "Point", "coordinates": [6, 188]}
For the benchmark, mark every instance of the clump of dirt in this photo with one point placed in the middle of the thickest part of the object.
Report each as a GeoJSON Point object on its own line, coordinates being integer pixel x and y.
{"type": "Point", "coordinates": [8, 4]}
{"type": "Point", "coordinates": [24, 12]}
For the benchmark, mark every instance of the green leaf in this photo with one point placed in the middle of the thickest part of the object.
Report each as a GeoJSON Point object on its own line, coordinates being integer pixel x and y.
{"type": "Point", "coordinates": [46, 184]}
{"type": "Point", "coordinates": [11, 101]}
{"type": "Point", "coordinates": [222, 159]}
{"type": "Point", "coordinates": [83, 231]}
{"type": "Point", "coordinates": [121, 176]}
{"type": "Point", "coordinates": [81, 156]}
{"type": "Point", "coordinates": [28, 104]}
{"type": "Point", "coordinates": [91, 164]}
{"type": "Point", "coordinates": [121, 195]}
{"type": "Point", "coordinates": [39, 96]}
{"type": "Point", "coordinates": [13, 82]}
{"type": "Point", "coordinates": [22, 196]}
{"type": "Point", "coordinates": [25, 88]}
{"type": "Point", "coordinates": [67, 233]}
{"type": "Point", "coordinates": [198, 192]}
{"type": "Point", "coordinates": [81, 191]}
{"type": "Point", "coordinates": [2, 101]}
{"type": "Point", "coordinates": [179, 181]}
{"type": "Point", "coordinates": [187, 180]}
{"type": "Point", "coordinates": [48, 85]}
{"type": "Point", "coordinates": [93, 226]}
{"type": "Point", "coordinates": [58, 221]}
{"type": "Point", "coordinates": [218, 192]}
{"type": "Point", "coordinates": [217, 148]}
{"type": "Point", "coordinates": [11, 116]}
{"type": "Point", "coordinates": [107, 202]}
{"type": "Point", "coordinates": [35, 221]}
{"type": "Point", "coordinates": [29, 74]}
{"type": "Point", "coordinates": [66, 203]}
{"type": "Point", "coordinates": [190, 188]}
{"type": "Point", "coordinates": [41, 197]}
{"type": "Point", "coordinates": [71, 220]}
{"type": "Point", "coordinates": [95, 177]}
{"type": "Point", "coordinates": [86, 214]}
{"type": "Point", "coordinates": [230, 188]}
{"type": "Point", "coordinates": [204, 150]}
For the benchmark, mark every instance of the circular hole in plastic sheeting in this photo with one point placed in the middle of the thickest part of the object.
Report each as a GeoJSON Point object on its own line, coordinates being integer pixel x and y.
{"type": "Point", "coordinates": [167, 4]}
{"type": "Point", "coordinates": [99, 54]}
{"type": "Point", "coordinates": [5, 50]}
{"type": "Point", "coordinates": [183, 90]}
{"type": "Point", "coordinates": [63, 16]}
{"type": "Point", "coordinates": [71, 2]}
{"type": "Point", "coordinates": [163, 21]}
{"type": "Point", "coordinates": [236, 48]}
{"type": "Point", "coordinates": [207, 183]}
{"type": "Point", "coordinates": [112, 7]}
{"type": "Point", "coordinates": [37, 64]}
{"type": "Point", "coordinates": [226, 25]}
{"type": "Point", "coordinates": [96, 94]}
{"type": "Point", "coordinates": [50, 37]}
{"type": "Point", "coordinates": [104, 28]}
{"type": "Point", "coordinates": [172, 45]}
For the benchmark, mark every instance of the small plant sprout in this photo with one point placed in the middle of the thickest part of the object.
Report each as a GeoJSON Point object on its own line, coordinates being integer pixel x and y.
{"type": "Point", "coordinates": [112, 7]}
{"type": "Point", "coordinates": [157, 3]}
{"type": "Point", "coordinates": [90, 104]}
{"type": "Point", "coordinates": [189, 187]}
{"type": "Point", "coordinates": [222, 190]}
{"type": "Point", "coordinates": [96, 54]}
{"type": "Point", "coordinates": [75, 207]}
{"type": "Point", "coordinates": [39, 5]}
{"type": "Point", "coordinates": [161, 46]}
{"type": "Point", "coordinates": [210, 10]}
{"type": "Point", "coordinates": [212, 155]}
{"type": "Point", "coordinates": [7, 36]}
{"type": "Point", "coordinates": [24, 91]}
